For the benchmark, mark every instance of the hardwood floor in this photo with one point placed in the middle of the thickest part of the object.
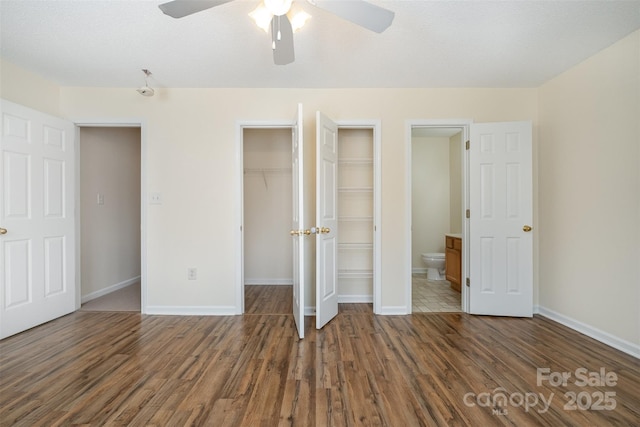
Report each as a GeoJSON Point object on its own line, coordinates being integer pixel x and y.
{"type": "Point", "coordinates": [268, 299]}
{"type": "Point", "coordinates": [118, 368]}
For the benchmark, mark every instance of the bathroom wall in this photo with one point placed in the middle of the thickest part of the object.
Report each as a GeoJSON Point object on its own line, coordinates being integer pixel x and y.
{"type": "Point", "coordinates": [430, 196]}
{"type": "Point", "coordinates": [267, 207]}
{"type": "Point", "coordinates": [109, 209]}
{"type": "Point", "coordinates": [455, 183]}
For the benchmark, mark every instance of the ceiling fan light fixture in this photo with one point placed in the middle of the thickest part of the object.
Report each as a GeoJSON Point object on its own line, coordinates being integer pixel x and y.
{"type": "Point", "coordinates": [298, 19]}
{"type": "Point", "coordinates": [262, 17]}
{"type": "Point", "coordinates": [278, 7]}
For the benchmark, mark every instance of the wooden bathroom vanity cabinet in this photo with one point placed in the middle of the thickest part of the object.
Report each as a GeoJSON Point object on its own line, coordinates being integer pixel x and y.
{"type": "Point", "coordinates": [453, 260]}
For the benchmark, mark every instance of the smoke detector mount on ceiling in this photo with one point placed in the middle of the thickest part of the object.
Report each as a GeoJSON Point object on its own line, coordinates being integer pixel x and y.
{"type": "Point", "coordinates": [146, 90]}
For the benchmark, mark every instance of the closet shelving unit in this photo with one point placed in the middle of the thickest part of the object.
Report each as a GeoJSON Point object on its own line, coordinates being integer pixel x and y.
{"type": "Point", "coordinates": [355, 214]}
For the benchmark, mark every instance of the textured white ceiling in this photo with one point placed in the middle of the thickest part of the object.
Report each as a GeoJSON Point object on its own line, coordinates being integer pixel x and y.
{"type": "Point", "coordinates": [429, 44]}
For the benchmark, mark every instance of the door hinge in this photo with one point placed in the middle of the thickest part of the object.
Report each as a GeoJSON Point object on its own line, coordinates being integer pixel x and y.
{"type": "Point", "coordinates": [468, 213]}
{"type": "Point", "coordinates": [468, 282]}
{"type": "Point", "coordinates": [466, 145]}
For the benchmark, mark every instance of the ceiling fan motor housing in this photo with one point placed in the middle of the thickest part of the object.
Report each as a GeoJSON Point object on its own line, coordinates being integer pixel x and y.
{"type": "Point", "coordinates": [278, 7]}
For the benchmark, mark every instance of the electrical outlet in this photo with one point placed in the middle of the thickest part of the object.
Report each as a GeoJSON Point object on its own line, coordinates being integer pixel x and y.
{"type": "Point", "coordinates": [155, 198]}
{"type": "Point", "coordinates": [192, 273]}
{"type": "Point", "coordinates": [100, 199]}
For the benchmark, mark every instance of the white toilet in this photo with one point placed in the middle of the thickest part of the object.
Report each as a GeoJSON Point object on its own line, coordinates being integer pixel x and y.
{"type": "Point", "coordinates": [435, 265]}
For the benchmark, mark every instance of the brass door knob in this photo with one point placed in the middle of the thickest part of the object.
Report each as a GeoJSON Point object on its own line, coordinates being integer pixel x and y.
{"type": "Point", "coordinates": [294, 233]}
{"type": "Point", "coordinates": [3, 231]}
{"type": "Point", "coordinates": [307, 232]}
{"type": "Point", "coordinates": [526, 228]}
{"type": "Point", "coordinates": [325, 230]}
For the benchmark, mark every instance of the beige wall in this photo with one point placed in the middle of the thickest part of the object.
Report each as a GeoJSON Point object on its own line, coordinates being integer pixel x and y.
{"type": "Point", "coordinates": [589, 200]}
{"type": "Point", "coordinates": [430, 182]}
{"type": "Point", "coordinates": [110, 232]}
{"type": "Point", "coordinates": [267, 206]}
{"type": "Point", "coordinates": [191, 142]}
{"type": "Point", "coordinates": [24, 87]}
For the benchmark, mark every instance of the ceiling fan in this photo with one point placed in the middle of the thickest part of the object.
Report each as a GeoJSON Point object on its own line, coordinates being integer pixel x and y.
{"type": "Point", "coordinates": [359, 12]}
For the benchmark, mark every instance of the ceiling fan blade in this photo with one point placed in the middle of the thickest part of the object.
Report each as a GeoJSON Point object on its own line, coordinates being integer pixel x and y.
{"type": "Point", "coordinates": [282, 36]}
{"type": "Point", "coordinates": [367, 15]}
{"type": "Point", "coordinates": [181, 8]}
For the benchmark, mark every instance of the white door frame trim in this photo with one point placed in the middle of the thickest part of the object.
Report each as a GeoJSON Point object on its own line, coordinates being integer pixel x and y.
{"type": "Point", "coordinates": [465, 125]}
{"type": "Point", "coordinates": [110, 122]}
{"type": "Point", "coordinates": [241, 125]}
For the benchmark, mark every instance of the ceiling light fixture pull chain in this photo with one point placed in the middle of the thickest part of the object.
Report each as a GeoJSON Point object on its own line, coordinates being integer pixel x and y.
{"type": "Point", "coordinates": [279, 37]}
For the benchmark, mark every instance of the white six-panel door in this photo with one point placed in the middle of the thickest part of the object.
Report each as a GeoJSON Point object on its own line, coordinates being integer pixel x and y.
{"type": "Point", "coordinates": [297, 225]}
{"type": "Point", "coordinates": [37, 253]}
{"type": "Point", "coordinates": [501, 214]}
{"type": "Point", "coordinates": [326, 220]}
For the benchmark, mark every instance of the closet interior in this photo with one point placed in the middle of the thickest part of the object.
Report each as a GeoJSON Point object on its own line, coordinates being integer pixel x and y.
{"type": "Point", "coordinates": [268, 205]}
{"type": "Point", "coordinates": [355, 214]}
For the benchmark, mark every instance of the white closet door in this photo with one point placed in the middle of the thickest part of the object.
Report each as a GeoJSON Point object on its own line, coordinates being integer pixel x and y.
{"type": "Point", "coordinates": [297, 165]}
{"type": "Point", "coordinates": [326, 220]}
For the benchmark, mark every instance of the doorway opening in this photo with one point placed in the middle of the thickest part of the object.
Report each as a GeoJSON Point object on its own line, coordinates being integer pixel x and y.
{"type": "Point", "coordinates": [437, 200]}
{"type": "Point", "coordinates": [358, 188]}
{"type": "Point", "coordinates": [356, 215]}
{"type": "Point", "coordinates": [110, 218]}
{"type": "Point", "coordinates": [267, 207]}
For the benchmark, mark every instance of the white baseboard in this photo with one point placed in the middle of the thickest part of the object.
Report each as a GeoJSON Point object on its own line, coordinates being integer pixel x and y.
{"type": "Point", "coordinates": [252, 282]}
{"type": "Point", "coordinates": [191, 310]}
{"type": "Point", "coordinates": [355, 299]}
{"type": "Point", "coordinates": [390, 310]}
{"type": "Point", "coordinates": [109, 289]}
{"type": "Point", "coordinates": [310, 311]}
{"type": "Point", "coordinates": [595, 333]}
{"type": "Point", "coordinates": [418, 270]}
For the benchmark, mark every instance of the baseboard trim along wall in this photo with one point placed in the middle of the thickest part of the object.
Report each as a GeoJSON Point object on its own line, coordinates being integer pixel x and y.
{"type": "Point", "coordinates": [168, 310]}
{"type": "Point", "coordinates": [355, 299]}
{"type": "Point", "coordinates": [390, 310]}
{"type": "Point", "coordinates": [595, 333]}
{"type": "Point", "coordinates": [109, 289]}
{"type": "Point", "coordinates": [254, 282]}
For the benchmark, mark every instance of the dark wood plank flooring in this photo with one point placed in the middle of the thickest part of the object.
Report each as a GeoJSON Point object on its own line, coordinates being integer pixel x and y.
{"type": "Point", "coordinates": [117, 368]}
{"type": "Point", "coordinates": [268, 299]}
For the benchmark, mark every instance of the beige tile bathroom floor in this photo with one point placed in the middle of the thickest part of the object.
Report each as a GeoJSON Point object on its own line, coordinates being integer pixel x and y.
{"type": "Point", "coordinates": [433, 296]}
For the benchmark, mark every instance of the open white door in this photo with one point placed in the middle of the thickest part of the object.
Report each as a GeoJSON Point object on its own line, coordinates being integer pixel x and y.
{"type": "Point", "coordinates": [500, 238]}
{"type": "Point", "coordinates": [297, 226]}
{"type": "Point", "coordinates": [37, 240]}
{"type": "Point", "coordinates": [326, 220]}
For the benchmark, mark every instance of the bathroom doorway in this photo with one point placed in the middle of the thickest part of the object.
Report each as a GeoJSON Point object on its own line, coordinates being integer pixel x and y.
{"type": "Point", "coordinates": [437, 201]}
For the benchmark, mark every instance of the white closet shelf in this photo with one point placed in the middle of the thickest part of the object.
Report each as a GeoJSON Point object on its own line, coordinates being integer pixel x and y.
{"type": "Point", "coordinates": [355, 189]}
{"type": "Point", "coordinates": [356, 161]}
{"type": "Point", "coordinates": [267, 170]}
{"type": "Point", "coordinates": [355, 218]}
{"type": "Point", "coordinates": [355, 274]}
{"type": "Point", "coordinates": [354, 246]}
